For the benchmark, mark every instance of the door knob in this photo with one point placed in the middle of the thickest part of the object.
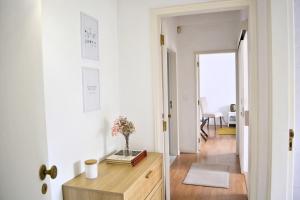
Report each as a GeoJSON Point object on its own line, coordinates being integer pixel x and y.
{"type": "Point", "coordinates": [291, 139]}
{"type": "Point", "coordinates": [52, 172]}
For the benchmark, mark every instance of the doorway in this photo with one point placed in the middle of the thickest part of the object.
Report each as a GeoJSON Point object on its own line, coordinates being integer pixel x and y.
{"type": "Point", "coordinates": [218, 82]}
{"type": "Point", "coordinates": [216, 91]}
{"type": "Point", "coordinates": [186, 35]}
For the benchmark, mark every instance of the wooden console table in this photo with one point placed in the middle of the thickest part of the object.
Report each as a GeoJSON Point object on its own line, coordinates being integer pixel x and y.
{"type": "Point", "coordinates": [120, 182]}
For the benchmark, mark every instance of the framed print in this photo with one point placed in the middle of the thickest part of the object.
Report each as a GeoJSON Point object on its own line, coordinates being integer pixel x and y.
{"type": "Point", "coordinates": [91, 89]}
{"type": "Point", "coordinates": [89, 37]}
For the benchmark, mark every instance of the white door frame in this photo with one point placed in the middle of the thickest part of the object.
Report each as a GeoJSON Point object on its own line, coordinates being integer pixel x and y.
{"type": "Point", "coordinates": [262, 100]}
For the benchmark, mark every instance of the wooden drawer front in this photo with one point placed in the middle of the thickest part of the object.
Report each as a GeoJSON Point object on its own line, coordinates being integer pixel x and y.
{"type": "Point", "coordinates": [75, 194]}
{"type": "Point", "coordinates": [146, 183]}
{"type": "Point", "coordinates": [157, 193]}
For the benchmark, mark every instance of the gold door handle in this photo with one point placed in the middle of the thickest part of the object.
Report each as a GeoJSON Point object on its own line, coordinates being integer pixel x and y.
{"type": "Point", "coordinates": [148, 175]}
{"type": "Point", "coordinates": [291, 139]}
{"type": "Point", "coordinates": [52, 172]}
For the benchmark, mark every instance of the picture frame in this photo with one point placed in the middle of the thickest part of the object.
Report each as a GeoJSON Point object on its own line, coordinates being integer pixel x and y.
{"type": "Point", "coordinates": [89, 37]}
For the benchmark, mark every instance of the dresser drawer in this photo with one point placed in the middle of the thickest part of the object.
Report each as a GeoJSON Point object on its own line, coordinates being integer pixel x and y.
{"type": "Point", "coordinates": [146, 183]}
{"type": "Point", "coordinates": [157, 193]}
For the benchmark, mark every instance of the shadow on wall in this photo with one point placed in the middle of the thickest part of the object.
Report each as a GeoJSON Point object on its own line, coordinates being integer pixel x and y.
{"type": "Point", "coordinates": [77, 168]}
{"type": "Point", "coordinates": [104, 131]}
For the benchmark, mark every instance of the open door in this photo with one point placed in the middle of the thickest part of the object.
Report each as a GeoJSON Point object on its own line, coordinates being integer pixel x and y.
{"type": "Point", "coordinates": [243, 104]}
{"type": "Point", "coordinates": [198, 108]}
{"type": "Point", "coordinates": [291, 97]}
{"type": "Point", "coordinates": [296, 187]}
{"type": "Point", "coordinates": [23, 140]}
{"type": "Point", "coordinates": [172, 106]}
{"type": "Point", "coordinates": [282, 50]}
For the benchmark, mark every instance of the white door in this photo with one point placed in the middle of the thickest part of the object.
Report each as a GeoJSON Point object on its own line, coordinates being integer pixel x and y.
{"type": "Point", "coordinates": [240, 106]}
{"type": "Point", "coordinates": [296, 187]}
{"type": "Point", "coordinates": [23, 146]}
{"type": "Point", "coordinates": [165, 114]}
{"type": "Point", "coordinates": [198, 108]}
{"type": "Point", "coordinates": [243, 104]}
{"type": "Point", "coordinates": [283, 97]}
{"type": "Point", "coordinates": [173, 108]}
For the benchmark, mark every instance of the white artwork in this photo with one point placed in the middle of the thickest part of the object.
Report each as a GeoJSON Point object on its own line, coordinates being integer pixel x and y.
{"type": "Point", "coordinates": [89, 37]}
{"type": "Point", "coordinates": [91, 89]}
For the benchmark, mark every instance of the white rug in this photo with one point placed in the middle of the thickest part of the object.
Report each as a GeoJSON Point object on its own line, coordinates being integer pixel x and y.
{"type": "Point", "coordinates": [211, 175]}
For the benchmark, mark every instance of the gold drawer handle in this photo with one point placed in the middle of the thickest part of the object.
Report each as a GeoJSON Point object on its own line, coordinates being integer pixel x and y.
{"type": "Point", "coordinates": [148, 175]}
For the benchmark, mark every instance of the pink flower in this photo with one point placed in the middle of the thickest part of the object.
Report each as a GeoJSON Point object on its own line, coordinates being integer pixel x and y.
{"type": "Point", "coordinates": [123, 126]}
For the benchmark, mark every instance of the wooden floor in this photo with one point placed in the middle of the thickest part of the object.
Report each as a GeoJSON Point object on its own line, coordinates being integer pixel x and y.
{"type": "Point", "coordinates": [217, 150]}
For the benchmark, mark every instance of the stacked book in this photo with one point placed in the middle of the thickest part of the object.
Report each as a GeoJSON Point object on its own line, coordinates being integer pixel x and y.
{"type": "Point", "coordinates": [133, 159]}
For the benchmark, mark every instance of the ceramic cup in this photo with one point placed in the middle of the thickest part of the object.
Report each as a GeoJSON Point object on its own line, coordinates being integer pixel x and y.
{"type": "Point", "coordinates": [91, 169]}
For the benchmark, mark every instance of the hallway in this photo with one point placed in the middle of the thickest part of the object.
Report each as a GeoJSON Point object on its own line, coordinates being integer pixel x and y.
{"type": "Point", "coordinates": [217, 150]}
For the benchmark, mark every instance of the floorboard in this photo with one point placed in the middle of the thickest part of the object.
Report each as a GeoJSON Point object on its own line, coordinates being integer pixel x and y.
{"type": "Point", "coordinates": [217, 150]}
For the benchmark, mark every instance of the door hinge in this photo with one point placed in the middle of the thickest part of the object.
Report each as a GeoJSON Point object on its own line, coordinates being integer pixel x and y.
{"type": "Point", "coordinates": [197, 64]}
{"type": "Point", "coordinates": [291, 139]}
{"type": "Point", "coordinates": [198, 102]}
{"type": "Point", "coordinates": [164, 126]}
{"type": "Point", "coordinates": [162, 40]}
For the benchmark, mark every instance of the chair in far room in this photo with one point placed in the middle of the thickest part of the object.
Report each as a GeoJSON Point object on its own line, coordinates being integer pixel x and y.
{"type": "Point", "coordinates": [208, 115]}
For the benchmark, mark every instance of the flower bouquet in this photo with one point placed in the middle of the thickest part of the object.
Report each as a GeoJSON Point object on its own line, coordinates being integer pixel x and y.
{"type": "Point", "coordinates": [122, 126]}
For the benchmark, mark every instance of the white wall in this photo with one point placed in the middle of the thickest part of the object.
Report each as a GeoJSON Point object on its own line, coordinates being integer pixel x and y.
{"type": "Point", "coordinates": [297, 137]}
{"type": "Point", "coordinates": [218, 82]}
{"type": "Point", "coordinates": [209, 32]}
{"type": "Point", "coordinates": [74, 136]}
{"type": "Point", "coordinates": [169, 29]}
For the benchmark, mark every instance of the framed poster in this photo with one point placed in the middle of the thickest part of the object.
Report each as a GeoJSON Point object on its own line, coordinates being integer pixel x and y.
{"type": "Point", "coordinates": [91, 89]}
{"type": "Point", "coordinates": [89, 37]}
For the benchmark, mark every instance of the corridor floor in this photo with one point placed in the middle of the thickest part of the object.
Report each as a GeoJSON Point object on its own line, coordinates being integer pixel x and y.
{"type": "Point", "coordinates": [217, 150]}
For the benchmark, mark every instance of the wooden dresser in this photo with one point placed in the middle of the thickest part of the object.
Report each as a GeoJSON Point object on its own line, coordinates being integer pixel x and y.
{"type": "Point", "coordinates": [120, 182]}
